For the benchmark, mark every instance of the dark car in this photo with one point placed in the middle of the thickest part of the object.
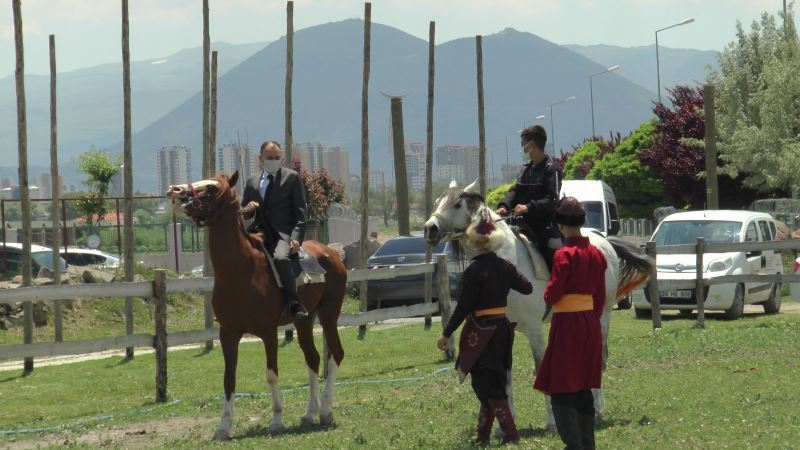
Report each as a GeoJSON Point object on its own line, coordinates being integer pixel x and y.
{"type": "Point", "coordinates": [407, 290]}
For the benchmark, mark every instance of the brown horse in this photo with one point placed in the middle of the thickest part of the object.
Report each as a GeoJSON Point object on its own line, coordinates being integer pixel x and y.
{"type": "Point", "coordinates": [247, 299]}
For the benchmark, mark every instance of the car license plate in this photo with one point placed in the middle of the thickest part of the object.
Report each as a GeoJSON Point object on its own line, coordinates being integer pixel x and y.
{"type": "Point", "coordinates": [676, 294]}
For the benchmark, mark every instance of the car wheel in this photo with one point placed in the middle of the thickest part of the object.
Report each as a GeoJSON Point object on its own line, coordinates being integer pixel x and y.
{"type": "Point", "coordinates": [625, 303]}
{"type": "Point", "coordinates": [737, 307]}
{"type": "Point", "coordinates": [773, 304]}
{"type": "Point", "coordinates": [642, 313]}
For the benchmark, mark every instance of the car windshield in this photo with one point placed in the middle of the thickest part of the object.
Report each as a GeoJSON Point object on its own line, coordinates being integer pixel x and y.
{"type": "Point", "coordinates": [407, 246]}
{"type": "Point", "coordinates": [594, 215]}
{"type": "Point", "coordinates": [45, 259]}
{"type": "Point", "coordinates": [687, 232]}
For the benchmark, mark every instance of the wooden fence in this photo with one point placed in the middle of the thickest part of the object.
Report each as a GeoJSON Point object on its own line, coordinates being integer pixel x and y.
{"type": "Point", "coordinates": [655, 285]}
{"type": "Point", "coordinates": [161, 286]}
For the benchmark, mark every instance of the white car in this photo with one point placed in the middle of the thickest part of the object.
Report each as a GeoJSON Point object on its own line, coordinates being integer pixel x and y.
{"type": "Point", "coordinates": [79, 256]}
{"type": "Point", "coordinates": [718, 226]}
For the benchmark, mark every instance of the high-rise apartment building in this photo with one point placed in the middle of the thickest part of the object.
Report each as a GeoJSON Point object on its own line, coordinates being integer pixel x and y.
{"type": "Point", "coordinates": [471, 163]}
{"type": "Point", "coordinates": [173, 165]}
{"type": "Point", "coordinates": [415, 165]}
{"type": "Point", "coordinates": [233, 157]}
{"type": "Point", "coordinates": [377, 180]}
{"type": "Point", "coordinates": [337, 163]}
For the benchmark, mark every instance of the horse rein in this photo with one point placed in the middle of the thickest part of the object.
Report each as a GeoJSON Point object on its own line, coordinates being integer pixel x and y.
{"type": "Point", "coordinates": [194, 204]}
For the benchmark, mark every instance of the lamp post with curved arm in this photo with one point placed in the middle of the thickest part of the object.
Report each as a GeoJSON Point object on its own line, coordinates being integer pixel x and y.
{"type": "Point", "coordinates": [658, 67]}
{"type": "Point", "coordinates": [591, 91]}
{"type": "Point", "coordinates": [552, 128]}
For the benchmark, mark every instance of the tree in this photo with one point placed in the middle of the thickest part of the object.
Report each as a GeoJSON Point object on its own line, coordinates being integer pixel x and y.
{"type": "Point", "coordinates": [497, 195]}
{"type": "Point", "coordinates": [759, 104]}
{"type": "Point", "coordinates": [321, 190]}
{"type": "Point", "coordinates": [636, 188]}
{"type": "Point", "coordinates": [677, 155]}
{"type": "Point", "coordinates": [578, 164]}
{"type": "Point", "coordinates": [100, 167]}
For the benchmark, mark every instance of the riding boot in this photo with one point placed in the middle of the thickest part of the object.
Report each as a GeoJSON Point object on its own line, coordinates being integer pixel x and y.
{"type": "Point", "coordinates": [484, 429]}
{"type": "Point", "coordinates": [506, 421]}
{"type": "Point", "coordinates": [585, 409]}
{"type": "Point", "coordinates": [568, 425]}
{"type": "Point", "coordinates": [290, 300]}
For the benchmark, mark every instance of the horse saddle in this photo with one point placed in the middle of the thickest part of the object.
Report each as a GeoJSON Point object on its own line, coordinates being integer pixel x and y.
{"type": "Point", "coordinates": [307, 269]}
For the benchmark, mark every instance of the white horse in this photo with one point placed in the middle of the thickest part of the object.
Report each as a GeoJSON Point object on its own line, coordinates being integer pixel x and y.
{"type": "Point", "coordinates": [457, 208]}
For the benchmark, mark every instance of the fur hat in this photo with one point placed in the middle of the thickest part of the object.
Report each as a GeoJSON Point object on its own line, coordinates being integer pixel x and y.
{"type": "Point", "coordinates": [484, 235]}
{"type": "Point", "coordinates": [570, 212]}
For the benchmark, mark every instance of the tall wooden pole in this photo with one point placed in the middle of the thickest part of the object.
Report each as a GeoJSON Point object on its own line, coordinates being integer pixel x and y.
{"type": "Point", "coordinates": [288, 138]}
{"type": "Point", "coordinates": [364, 160]}
{"type": "Point", "coordinates": [208, 169]}
{"type": "Point", "coordinates": [481, 126]}
{"type": "Point", "coordinates": [127, 166]}
{"type": "Point", "coordinates": [22, 148]}
{"type": "Point", "coordinates": [712, 189]}
{"type": "Point", "coordinates": [400, 175]}
{"type": "Point", "coordinates": [212, 116]}
{"type": "Point", "coordinates": [55, 191]}
{"type": "Point", "coordinates": [429, 155]}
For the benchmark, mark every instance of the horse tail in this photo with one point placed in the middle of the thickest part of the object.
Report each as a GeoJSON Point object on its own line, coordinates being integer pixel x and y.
{"type": "Point", "coordinates": [635, 266]}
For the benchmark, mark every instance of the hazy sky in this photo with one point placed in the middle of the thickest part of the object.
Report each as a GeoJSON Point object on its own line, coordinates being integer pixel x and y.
{"type": "Point", "coordinates": [88, 31]}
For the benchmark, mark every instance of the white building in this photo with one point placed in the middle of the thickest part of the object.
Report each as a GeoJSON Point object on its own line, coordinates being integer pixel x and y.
{"type": "Point", "coordinates": [173, 165]}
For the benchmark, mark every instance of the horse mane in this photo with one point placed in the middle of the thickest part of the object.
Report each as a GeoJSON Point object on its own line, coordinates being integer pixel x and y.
{"type": "Point", "coordinates": [228, 193]}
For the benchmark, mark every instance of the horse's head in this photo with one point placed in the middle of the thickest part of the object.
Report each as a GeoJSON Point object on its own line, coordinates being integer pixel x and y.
{"type": "Point", "coordinates": [454, 211]}
{"type": "Point", "coordinates": [203, 200]}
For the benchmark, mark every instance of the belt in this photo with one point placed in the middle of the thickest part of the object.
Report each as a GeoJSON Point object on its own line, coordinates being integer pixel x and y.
{"type": "Point", "coordinates": [574, 303]}
{"type": "Point", "coordinates": [501, 310]}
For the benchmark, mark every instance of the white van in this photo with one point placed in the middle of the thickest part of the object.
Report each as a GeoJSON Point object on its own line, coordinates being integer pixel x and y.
{"type": "Point", "coordinates": [599, 202]}
{"type": "Point", "coordinates": [717, 226]}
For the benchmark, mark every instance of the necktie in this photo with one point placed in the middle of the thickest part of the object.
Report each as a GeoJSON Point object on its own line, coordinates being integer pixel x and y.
{"type": "Point", "coordinates": [271, 178]}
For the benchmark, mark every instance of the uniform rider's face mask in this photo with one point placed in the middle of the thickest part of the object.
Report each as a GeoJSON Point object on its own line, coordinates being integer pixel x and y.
{"type": "Point", "coordinates": [526, 156]}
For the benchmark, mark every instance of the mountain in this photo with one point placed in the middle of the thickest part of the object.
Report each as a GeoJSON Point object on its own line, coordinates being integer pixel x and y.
{"type": "Point", "coordinates": [638, 64]}
{"type": "Point", "coordinates": [90, 101]}
{"type": "Point", "coordinates": [523, 75]}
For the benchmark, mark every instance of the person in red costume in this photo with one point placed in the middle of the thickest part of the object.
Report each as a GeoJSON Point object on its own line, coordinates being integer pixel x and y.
{"type": "Point", "coordinates": [487, 339]}
{"type": "Point", "coordinates": [572, 364]}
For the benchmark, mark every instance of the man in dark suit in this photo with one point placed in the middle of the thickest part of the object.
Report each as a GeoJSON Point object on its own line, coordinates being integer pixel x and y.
{"type": "Point", "coordinates": [277, 199]}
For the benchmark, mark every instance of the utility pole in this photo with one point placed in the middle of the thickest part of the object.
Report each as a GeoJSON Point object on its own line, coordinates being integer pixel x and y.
{"type": "Point", "coordinates": [712, 190]}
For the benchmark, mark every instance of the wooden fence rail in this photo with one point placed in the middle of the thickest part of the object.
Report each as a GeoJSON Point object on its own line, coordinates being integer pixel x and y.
{"type": "Point", "coordinates": [160, 287]}
{"type": "Point", "coordinates": [699, 281]}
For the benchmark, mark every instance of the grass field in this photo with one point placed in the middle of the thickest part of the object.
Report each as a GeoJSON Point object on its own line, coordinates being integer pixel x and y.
{"type": "Point", "coordinates": [732, 385]}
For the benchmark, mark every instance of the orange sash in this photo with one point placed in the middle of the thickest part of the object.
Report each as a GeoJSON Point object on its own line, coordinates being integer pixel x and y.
{"type": "Point", "coordinates": [490, 312]}
{"type": "Point", "coordinates": [574, 303]}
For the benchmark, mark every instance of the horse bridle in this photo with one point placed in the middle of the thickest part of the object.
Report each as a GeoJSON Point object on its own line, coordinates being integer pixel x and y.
{"type": "Point", "coordinates": [197, 209]}
{"type": "Point", "coordinates": [454, 232]}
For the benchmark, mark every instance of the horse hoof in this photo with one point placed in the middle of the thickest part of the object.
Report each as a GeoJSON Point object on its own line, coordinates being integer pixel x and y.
{"type": "Point", "coordinates": [550, 428]}
{"type": "Point", "coordinates": [275, 428]}
{"type": "Point", "coordinates": [326, 419]}
{"type": "Point", "coordinates": [221, 435]}
{"type": "Point", "coordinates": [307, 421]}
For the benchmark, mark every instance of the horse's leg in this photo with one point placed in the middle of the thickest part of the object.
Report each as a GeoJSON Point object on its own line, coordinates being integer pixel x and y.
{"type": "Point", "coordinates": [334, 360]}
{"type": "Point", "coordinates": [230, 351]}
{"type": "Point", "coordinates": [271, 348]}
{"type": "Point", "coordinates": [305, 337]}
{"type": "Point", "coordinates": [538, 346]}
{"type": "Point", "coordinates": [605, 325]}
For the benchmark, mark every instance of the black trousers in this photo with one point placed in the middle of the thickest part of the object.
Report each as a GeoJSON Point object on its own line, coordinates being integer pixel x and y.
{"type": "Point", "coordinates": [281, 254]}
{"type": "Point", "coordinates": [488, 384]}
{"type": "Point", "coordinates": [574, 414]}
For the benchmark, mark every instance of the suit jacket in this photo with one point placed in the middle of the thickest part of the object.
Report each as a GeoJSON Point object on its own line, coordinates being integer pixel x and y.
{"type": "Point", "coordinates": [283, 214]}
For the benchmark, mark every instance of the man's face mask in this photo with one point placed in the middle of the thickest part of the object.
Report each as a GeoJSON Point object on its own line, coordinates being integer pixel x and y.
{"type": "Point", "coordinates": [526, 156]}
{"type": "Point", "coordinates": [272, 166]}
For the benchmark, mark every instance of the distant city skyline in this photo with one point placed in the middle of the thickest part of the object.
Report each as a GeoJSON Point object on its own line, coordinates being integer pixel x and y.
{"type": "Point", "coordinates": [87, 31]}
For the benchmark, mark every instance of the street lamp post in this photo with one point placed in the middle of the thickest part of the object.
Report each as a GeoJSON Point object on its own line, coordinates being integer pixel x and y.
{"type": "Point", "coordinates": [552, 128]}
{"type": "Point", "coordinates": [591, 91]}
{"type": "Point", "coordinates": [658, 67]}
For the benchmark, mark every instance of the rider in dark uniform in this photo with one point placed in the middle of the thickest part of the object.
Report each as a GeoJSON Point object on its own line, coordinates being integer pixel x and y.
{"type": "Point", "coordinates": [487, 339]}
{"type": "Point", "coordinates": [534, 195]}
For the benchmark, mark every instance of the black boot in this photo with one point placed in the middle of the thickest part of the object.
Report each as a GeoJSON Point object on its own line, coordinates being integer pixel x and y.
{"type": "Point", "coordinates": [502, 412]}
{"type": "Point", "coordinates": [567, 422]}
{"type": "Point", "coordinates": [585, 407]}
{"type": "Point", "coordinates": [290, 302]}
